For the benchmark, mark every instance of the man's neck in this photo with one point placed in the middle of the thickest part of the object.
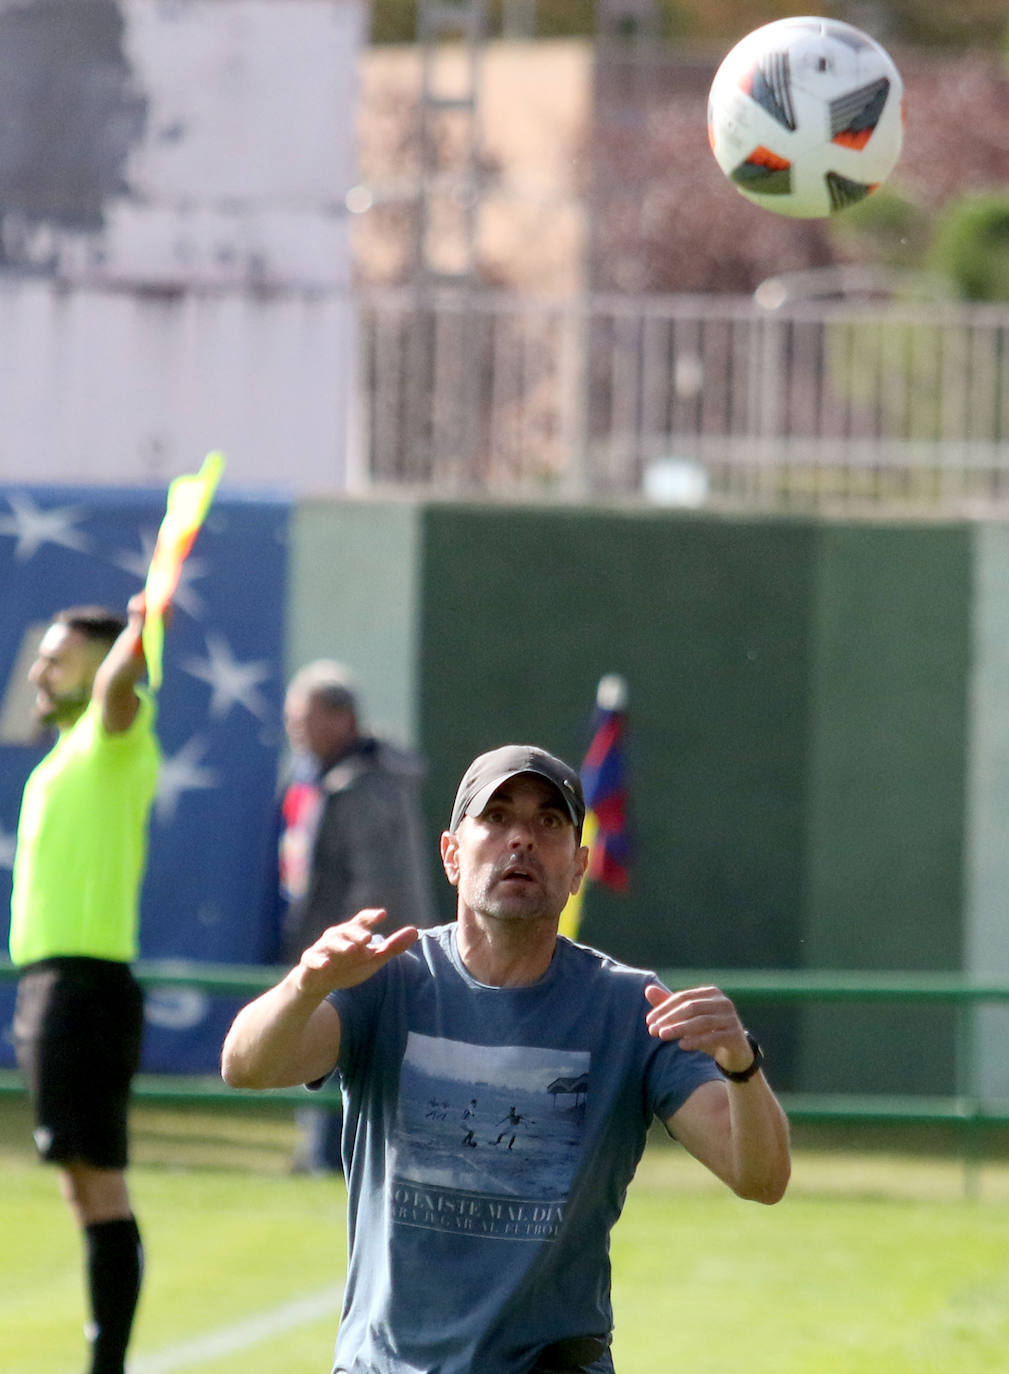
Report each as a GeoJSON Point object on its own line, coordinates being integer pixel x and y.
{"type": "Point", "coordinates": [67, 722]}
{"type": "Point", "coordinates": [505, 954]}
{"type": "Point", "coordinates": [341, 752]}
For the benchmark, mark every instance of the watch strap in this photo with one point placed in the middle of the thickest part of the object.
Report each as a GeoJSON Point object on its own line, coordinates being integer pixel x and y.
{"type": "Point", "coordinates": [744, 1075]}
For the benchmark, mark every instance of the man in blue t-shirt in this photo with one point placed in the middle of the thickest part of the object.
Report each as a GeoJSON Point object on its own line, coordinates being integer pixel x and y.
{"type": "Point", "coordinates": [499, 1081]}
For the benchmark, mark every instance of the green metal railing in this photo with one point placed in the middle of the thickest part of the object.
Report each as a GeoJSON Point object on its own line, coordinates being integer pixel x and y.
{"type": "Point", "coordinates": [966, 993]}
{"type": "Point", "coordinates": [216, 980]}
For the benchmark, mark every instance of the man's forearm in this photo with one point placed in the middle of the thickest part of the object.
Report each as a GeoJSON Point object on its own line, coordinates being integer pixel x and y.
{"type": "Point", "coordinates": [285, 1037]}
{"type": "Point", "coordinates": [291, 1034]}
{"type": "Point", "coordinates": [120, 671]}
{"type": "Point", "coordinates": [760, 1141]}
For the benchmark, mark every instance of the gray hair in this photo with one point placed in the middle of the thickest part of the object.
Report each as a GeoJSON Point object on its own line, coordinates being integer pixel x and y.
{"type": "Point", "coordinates": [328, 681]}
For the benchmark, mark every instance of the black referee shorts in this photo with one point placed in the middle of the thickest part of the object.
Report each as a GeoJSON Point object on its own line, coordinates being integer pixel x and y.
{"type": "Point", "coordinates": [78, 1027]}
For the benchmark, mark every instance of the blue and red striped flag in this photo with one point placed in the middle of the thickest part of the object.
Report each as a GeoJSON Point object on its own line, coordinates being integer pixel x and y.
{"type": "Point", "coordinates": [604, 783]}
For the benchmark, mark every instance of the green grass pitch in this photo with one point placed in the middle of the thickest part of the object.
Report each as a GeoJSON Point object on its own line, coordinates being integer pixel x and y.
{"type": "Point", "coordinates": [878, 1259]}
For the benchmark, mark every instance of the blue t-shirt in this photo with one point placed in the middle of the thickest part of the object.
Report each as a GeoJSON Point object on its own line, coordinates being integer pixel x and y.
{"type": "Point", "coordinates": [489, 1136]}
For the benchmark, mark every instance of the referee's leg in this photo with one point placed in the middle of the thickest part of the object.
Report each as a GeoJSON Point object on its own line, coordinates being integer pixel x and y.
{"type": "Point", "coordinates": [100, 1203]}
{"type": "Point", "coordinates": [78, 1029]}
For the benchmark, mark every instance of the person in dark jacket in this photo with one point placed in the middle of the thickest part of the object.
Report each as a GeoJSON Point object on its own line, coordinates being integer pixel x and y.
{"type": "Point", "coordinates": [352, 836]}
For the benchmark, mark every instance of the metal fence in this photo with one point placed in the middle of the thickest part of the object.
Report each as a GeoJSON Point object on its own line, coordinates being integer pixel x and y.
{"type": "Point", "coordinates": [695, 401]}
{"type": "Point", "coordinates": [967, 1109]}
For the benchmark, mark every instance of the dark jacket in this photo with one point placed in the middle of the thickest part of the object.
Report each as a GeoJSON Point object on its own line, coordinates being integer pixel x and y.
{"type": "Point", "coordinates": [368, 847]}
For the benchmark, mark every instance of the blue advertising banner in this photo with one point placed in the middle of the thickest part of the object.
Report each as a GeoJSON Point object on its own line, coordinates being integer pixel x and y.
{"type": "Point", "coordinates": [209, 889]}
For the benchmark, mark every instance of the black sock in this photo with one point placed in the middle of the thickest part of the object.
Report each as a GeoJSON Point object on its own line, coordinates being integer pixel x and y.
{"type": "Point", "coordinates": [115, 1262]}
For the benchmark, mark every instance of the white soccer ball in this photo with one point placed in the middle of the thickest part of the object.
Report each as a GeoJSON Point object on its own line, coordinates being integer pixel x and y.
{"type": "Point", "coordinates": [806, 116]}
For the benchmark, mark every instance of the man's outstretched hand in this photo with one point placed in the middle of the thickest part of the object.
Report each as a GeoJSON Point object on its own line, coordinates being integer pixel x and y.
{"type": "Point", "coordinates": [350, 953]}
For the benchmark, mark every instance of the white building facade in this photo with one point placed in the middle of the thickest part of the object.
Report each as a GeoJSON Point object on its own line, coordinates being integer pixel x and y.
{"type": "Point", "coordinates": [174, 244]}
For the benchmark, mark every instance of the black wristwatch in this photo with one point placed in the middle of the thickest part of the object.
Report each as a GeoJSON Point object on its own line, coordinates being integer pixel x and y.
{"type": "Point", "coordinates": [744, 1075]}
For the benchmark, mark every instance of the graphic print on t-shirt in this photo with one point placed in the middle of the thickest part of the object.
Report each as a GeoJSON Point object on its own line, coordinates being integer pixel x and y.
{"type": "Point", "coordinates": [487, 1137]}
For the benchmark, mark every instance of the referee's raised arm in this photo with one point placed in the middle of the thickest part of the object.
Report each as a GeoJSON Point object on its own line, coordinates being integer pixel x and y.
{"type": "Point", "coordinates": [120, 670]}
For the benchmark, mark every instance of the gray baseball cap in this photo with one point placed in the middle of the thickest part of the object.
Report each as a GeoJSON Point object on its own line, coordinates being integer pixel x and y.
{"type": "Point", "coordinates": [488, 771]}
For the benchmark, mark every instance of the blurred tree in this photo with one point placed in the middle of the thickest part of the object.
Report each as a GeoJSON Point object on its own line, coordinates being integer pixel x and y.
{"type": "Point", "coordinates": [672, 221]}
{"type": "Point", "coordinates": [393, 21]}
{"type": "Point", "coordinates": [969, 24]}
{"type": "Point", "coordinates": [886, 229]}
{"type": "Point", "coordinates": [977, 24]}
{"type": "Point", "coordinates": [698, 234]}
{"type": "Point", "coordinates": [971, 246]}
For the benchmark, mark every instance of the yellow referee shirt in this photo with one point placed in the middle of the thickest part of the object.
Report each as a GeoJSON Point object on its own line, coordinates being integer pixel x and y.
{"type": "Point", "coordinates": [82, 842]}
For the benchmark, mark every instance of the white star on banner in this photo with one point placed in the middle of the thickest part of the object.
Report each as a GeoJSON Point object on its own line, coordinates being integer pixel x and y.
{"type": "Point", "coordinates": [182, 772]}
{"type": "Point", "coordinates": [184, 596]}
{"type": "Point", "coordinates": [7, 843]}
{"type": "Point", "coordinates": [32, 527]}
{"type": "Point", "coordinates": [232, 683]}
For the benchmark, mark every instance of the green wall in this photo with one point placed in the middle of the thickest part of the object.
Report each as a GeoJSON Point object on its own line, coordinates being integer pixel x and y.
{"type": "Point", "coordinates": [800, 725]}
{"type": "Point", "coordinates": [354, 577]}
{"type": "Point", "coordinates": [885, 815]}
{"type": "Point", "coordinates": [524, 611]}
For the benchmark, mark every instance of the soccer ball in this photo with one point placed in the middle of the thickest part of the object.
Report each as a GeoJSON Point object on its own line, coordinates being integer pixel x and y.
{"type": "Point", "coordinates": [806, 116]}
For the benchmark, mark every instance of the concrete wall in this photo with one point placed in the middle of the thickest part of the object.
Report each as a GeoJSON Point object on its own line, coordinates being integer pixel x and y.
{"type": "Point", "coordinates": [986, 953]}
{"type": "Point", "coordinates": [174, 246]}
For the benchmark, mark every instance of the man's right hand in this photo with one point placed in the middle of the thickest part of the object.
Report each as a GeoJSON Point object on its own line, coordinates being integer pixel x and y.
{"type": "Point", "coordinates": [291, 1034]}
{"type": "Point", "coordinates": [348, 954]}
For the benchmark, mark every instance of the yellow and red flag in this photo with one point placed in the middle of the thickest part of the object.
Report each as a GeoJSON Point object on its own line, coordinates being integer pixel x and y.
{"type": "Point", "coordinates": [189, 499]}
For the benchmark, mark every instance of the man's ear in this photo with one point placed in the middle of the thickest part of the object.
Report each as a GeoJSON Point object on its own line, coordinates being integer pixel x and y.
{"type": "Point", "coordinates": [581, 864]}
{"type": "Point", "coordinates": [450, 857]}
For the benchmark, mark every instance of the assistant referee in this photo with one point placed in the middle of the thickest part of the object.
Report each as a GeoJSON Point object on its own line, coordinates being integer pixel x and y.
{"type": "Point", "coordinates": [78, 865]}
